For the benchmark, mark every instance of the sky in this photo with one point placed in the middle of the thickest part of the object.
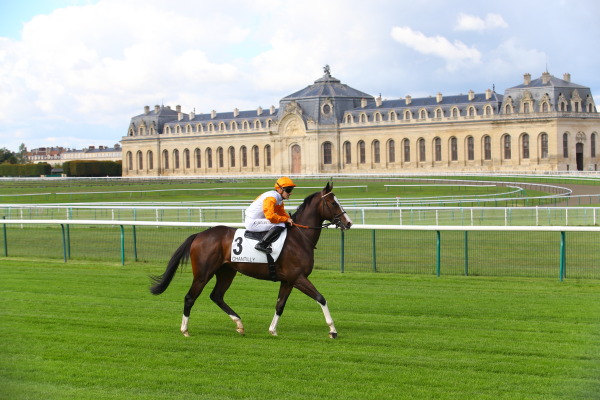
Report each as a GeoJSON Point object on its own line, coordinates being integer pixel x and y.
{"type": "Point", "coordinates": [74, 72]}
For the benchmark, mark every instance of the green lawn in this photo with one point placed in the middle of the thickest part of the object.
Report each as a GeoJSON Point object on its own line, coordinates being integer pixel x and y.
{"type": "Point", "coordinates": [88, 330]}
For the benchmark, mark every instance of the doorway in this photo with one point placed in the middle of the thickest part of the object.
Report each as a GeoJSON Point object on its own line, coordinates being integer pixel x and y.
{"type": "Point", "coordinates": [296, 159]}
{"type": "Point", "coordinates": [579, 156]}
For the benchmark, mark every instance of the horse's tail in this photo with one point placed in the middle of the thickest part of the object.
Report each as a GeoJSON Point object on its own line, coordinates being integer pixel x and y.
{"type": "Point", "coordinates": [180, 256]}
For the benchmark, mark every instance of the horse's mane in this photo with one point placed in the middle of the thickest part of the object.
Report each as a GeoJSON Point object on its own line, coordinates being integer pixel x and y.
{"type": "Point", "coordinates": [302, 206]}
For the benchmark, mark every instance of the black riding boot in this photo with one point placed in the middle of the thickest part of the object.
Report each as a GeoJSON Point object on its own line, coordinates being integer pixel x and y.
{"type": "Point", "coordinates": [265, 244]}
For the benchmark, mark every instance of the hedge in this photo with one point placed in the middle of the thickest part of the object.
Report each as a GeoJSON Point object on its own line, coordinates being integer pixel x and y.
{"type": "Point", "coordinates": [25, 169]}
{"type": "Point", "coordinates": [92, 168]}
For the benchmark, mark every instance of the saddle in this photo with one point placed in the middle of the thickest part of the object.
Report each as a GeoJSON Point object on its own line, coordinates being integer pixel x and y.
{"type": "Point", "coordinates": [259, 235]}
{"type": "Point", "coordinates": [242, 249]}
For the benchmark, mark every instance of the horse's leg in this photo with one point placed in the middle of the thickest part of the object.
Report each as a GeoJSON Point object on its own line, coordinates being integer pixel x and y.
{"type": "Point", "coordinates": [225, 276]}
{"type": "Point", "coordinates": [306, 287]}
{"type": "Point", "coordinates": [284, 292]}
{"type": "Point", "coordinates": [190, 299]}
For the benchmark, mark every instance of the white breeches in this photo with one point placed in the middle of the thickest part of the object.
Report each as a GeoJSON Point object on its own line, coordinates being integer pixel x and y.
{"type": "Point", "coordinates": [260, 224]}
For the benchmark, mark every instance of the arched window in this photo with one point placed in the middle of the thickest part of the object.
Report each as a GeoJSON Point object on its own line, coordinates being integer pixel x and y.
{"type": "Point", "coordinates": [348, 119]}
{"type": "Point", "coordinates": [245, 125]}
{"type": "Point", "coordinates": [377, 117]}
{"type": "Point", "coordinates": [471, 112]}
{"type": "Point", "coordinates": [565, 145]}
{"type": "Point", "coordinates": [392, 116]}
{"type": "Point", "coordinates": [487, 147]}
{"type": "Point", "coordinates": [209, 160]}
{"type": "Point", "coordinates": [222, 127]}
{"type": "Point", "coordinates": [268, 155]}
{"type": "Point", "coordinates": [178, 129]}
{"type": "Point", "coordinates": [231, 151]}
{"type": "Point", "coordinates": [150, 157]}
{"type": "Point", "coordinates": [211, 127]}
{"type": "Point", "coordinates": [423, 114]}
{"type": "Point", "coordinates": [545, 107]}
{"type": "Point", "coordinates": [257, 124]}
{"type": "Point", "coordinates": [376, 152]}
{"type": "Point", "coordinates": [437, 145]}
{"type": "Point", "coordinates": [220, 161]}
{"type": "Point", "coordinates": [508, 109]}
{"type": "Point", "coordinates": [363, 118]}
{"type": "Point", "coordinates": [255, 156]}
{"type": "Point", "coordinates": [422, 155]}
{"type": "Point", "coordinates": [593, 144]}
{"type": "Point", "coordinates": [487, 111]}
{"type": "Point", "coordinates": [507, 147]}
{"type": "Point", "coordinates": [407, 115]}
{"type": "Point", "coordinates": [198, 158]}
{"type": "Point", "coordinates": [129, 161]}
{"type": "Point", "coordinates": [188, 128]}
{"type": "Point", "coordinates": [233, 126]}
{"type": "Point", "coordinates": [244, 155]}
{"type": "Point", "coordinates": [454, 112]}
{"type": "Point", "coordinates": [391, 151]}
{"type": "Point", "coordinates": [406, 150]}
{"type": "Point", "coordinates": [525, 146]}
{"type": "Point", "coordinates": [327, 153]}
{"type": "Point", "coordinates": [453, 149]}
{"type": "Point", "coordinates": [361, 152]}
{"type": "Point", "coordinates": [348, 152]}
{"type": "Point", "coordinates": [544, 145]}
{"type": "Point", "coordinates": [186, 159]}
{"type": "Point", "coordinates": [470, 148]}
{"type": "Point", "coordinates": [176, 159]}
{"type": "Point", "coordinates": [438, 113]}
{"type": "Point", "coordinates": [140, 160]}
{"type": "Point", "coordinates": [165, 159]}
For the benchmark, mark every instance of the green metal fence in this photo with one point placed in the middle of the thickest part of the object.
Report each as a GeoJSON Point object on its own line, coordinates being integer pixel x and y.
{"type": "Point", "coordinates": [549, 252]}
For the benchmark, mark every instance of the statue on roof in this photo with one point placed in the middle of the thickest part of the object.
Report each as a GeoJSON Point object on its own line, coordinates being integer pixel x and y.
{"type": "Point", "coordinates": [326, 70]}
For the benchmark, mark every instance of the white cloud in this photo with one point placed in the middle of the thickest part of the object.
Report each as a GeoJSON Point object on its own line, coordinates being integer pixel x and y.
{"type": "Point", "coordinates": [456, 54]}
{"type": "Point", "coordinates": [468, 22]}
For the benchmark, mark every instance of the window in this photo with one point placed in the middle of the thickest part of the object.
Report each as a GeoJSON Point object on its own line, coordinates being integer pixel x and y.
{"type": "Point", "coordinates": [544, 145]}
{"type": "Point", "coordinates": [255, 156]}
{"type": "Point", "coordinates": [406, 150]}
{"type": "Point", "coordinates": [471, 112]}
{"type": "Point", "coordinates": [566, 145]}
{"type": "Point", "coordinates": [508, 109]}
{"type": "Point", "coordinates": [348, 152]}
{"type": "Point", "coordinates": [150, 160]}
{"type": "Point", "coordinates": [361, 152]}
{"type": "Point", "coordinates": [220, 162]}
{"type": "Point", "coordinates": [231, 151]}
{"type": "Point", "coordinates": [166, 159]}
{"type": "Point", "coordinates": [327, 153]}
{"type": "Point", "coordinates": [453, 149]}
{"type": "Point", "coordinates": [377, 117]}
{"type": "Point", "coordinates": [129, 161]}
{"type": "Point", "coordinates": [186, 159]}
{"type": "Point", "coordinates": [198, 158]}
{"type": "Point", "coordinates": [244, 152]}
{"type": "Point", "coordinates": [437, 145]}
{"type": "Point", "coordinates": [454, 112]}
{"type": "Point", "coordinates": [267, 155]}
{"type": "Point", "coordinates": [423, 114]}
{"type": "Point", "coordinates": [376, 152]}
{"type": "Point", "coordinates": [488, 111]}
{"type": "Point", "coordinates": [407, 115]}
{"type": "Point", "coordinates": [507, 146]}
{"type": "Point", "coordinates": [544, 107]}
{"type": "Point", "coordinates": [392, 151]}
{"type": "Point", "coordinates": [438, 113]}
{"type": "Point", "coordinates": [470, 148]}
{"type": "Point", "coordinates": [176, 159]}
{"type": "Point", "coordinates": [140, 160]}
{"type": "Point", "coordinates": [222, 126]}
{"type": "Point", "coordinates": [392, 116]}
{"type": "Point", "coordinates": [525, 145]}
{"type": "Point", "coordinates": [593, 144]}
{"type": "Point", "coordinates": [363, 118]}
{"type": "Point", "coordinates": [422, 155]}
{"type": "Point", "coordinates": [348, 119]}
{"type": "Point", "coordinates": [487, 148]}
{"type": "Point", "coordinates": [209, 163]}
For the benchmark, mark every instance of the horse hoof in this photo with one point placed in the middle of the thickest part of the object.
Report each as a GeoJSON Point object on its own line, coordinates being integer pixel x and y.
{"type": "Point", "coordinates": [333, 335]}
{"type": "Point", "coordinates": [186, 333]}
{"type": "Point", "coordinates": [273, 333]}
{"type": "Point", "coordinates": [241, 331]}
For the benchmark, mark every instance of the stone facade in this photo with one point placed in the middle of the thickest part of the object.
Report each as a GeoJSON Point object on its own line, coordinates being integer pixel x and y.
{"type": "Point", "coordinates": [545, 124]}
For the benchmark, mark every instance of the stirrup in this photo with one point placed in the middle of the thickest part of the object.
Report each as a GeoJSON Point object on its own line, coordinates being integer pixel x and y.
{"type": "Point", "coordinates": [260, 247]}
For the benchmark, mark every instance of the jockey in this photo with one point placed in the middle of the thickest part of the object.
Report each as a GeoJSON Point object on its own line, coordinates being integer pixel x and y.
{"type": "Point", "coordinates": [267, 213]}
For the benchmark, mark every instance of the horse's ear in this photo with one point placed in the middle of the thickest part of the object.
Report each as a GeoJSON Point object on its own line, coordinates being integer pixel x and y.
{"type": "Point", "coordinates": [328, 187]}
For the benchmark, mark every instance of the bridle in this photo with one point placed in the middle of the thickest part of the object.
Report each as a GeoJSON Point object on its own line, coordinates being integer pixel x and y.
{"type": "Point", "coordinates": [336, 220]}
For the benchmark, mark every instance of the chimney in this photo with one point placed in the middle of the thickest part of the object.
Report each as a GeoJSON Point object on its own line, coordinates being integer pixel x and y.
{"type": "Point", "coordinates": [272, 110]}
{"type": "Point", "coordinates": [545, 77]}
{"type": "Point", "coordinates": [567, 77]}
{"type": "Point", "coordinates": [378, 101]}
{"type": "Point", "coordinates": [178, 108]}
{"type": "Point", "coordinates": [236, 112]}
{"type": "Point", "coordinates": [471, 95]}
{"type": "Point", "coordinates": [146, 110]}
{"type": "Point", "coordinates": [192, 115]}
{"type": "Point", "coordinates": [259, 110]}
{"type": "Point", "coordinates": [438, 97]}
{"type": "Point", "coordinates": [488, 94]}
{"type": "Point", "coordinates": [526, 79]}
{"type": "Point", "coordinates": [156, 108]}
{"type": "Point", "coordinates": [213, 114]}
{"type": "Point", "coordinates": [408, 99]}
{"type": "Point", "coordinates": [168, 107]}
{"type": "Point", "coordinates": [179, 115]}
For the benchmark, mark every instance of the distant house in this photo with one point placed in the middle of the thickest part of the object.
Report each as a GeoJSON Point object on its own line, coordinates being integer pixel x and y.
{"type": "Point", "coordinates": [58, 155]}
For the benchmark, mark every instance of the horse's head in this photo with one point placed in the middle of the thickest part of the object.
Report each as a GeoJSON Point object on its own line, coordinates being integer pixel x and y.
{"type": "Point", "coordinates": [332, 210]}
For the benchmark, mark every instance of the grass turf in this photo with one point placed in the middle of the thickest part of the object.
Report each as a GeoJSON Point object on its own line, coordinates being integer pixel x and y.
{"type": "Point", "coordinates": [86, 330]}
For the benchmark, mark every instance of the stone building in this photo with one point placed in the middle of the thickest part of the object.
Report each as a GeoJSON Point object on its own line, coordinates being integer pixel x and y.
{"type": "Point", "coordinates": [544, 124]}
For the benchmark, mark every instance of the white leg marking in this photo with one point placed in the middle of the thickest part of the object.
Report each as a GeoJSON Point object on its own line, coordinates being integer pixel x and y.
{"type": "Point", "coordinates": [329, 320]}
{"type": "Point", "coordinates": [184, 325]}
{"type": "Point", "coordinates": [273, 327]}
{"type": "Point", "coordinates": [238, 323]}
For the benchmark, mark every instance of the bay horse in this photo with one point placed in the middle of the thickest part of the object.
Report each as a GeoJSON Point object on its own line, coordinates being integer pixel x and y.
{"type": "Point", "coordinates": [210, 255]}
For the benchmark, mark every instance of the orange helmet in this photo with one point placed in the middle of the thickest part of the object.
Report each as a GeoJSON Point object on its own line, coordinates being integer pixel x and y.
{"type": "Point", "coordinates": [284, 181]}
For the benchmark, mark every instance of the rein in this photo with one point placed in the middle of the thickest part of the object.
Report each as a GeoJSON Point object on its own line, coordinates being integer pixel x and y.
{"type": "Point", "coordinates": [326, 225]}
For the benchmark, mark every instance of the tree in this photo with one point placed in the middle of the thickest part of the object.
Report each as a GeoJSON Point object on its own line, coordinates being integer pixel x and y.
{"type": "Point", "coordinates": [22, 154]}
{"type": "Point", "coordinates": [7, 156]}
